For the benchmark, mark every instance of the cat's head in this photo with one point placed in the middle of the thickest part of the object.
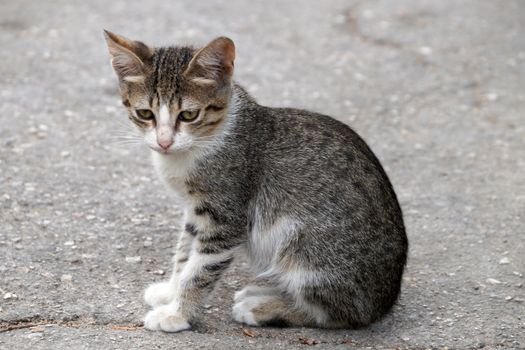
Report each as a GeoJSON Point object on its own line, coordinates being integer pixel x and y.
{"type": "Point", "coordinates": [178, 97]}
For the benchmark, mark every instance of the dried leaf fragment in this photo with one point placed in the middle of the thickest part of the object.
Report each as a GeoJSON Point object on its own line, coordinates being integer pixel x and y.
{"type": "Point", "coordinates": [249, 333]}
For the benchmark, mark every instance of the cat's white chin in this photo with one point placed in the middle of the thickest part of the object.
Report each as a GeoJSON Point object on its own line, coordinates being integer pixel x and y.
{"type": "Point", "coordinates": [164, 152]}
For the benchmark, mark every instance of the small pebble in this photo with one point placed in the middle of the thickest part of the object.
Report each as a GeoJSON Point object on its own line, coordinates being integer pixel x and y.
{"type": "Point", "coordinates": [425, 50]}
{"type": "Point", "coordinates": [66, 278]}
{"type": "Point", "coordinates": [9, 295]}
{"type": "Point", "coordinates": [504, 261]}
{"type": "Point", "coordinates": [493, 281]}
{"type": "Point", "coordinates": [133, 259]}
{"type": "Point", "coordinates": [492, 96]}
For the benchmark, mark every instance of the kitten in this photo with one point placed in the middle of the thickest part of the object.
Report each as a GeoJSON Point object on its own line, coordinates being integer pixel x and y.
{"type": "Point", "coordinates": [299, 192]}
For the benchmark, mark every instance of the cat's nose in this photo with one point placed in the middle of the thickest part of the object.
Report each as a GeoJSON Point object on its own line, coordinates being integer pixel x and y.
{"type": "Point", "coordinates": [164, 136]}
{"type": "Point", "coordinates": [165, 144]}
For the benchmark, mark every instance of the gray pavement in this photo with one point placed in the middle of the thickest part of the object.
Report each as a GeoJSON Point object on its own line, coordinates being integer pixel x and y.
{"type": "Point", "coordinates": [437, 88]}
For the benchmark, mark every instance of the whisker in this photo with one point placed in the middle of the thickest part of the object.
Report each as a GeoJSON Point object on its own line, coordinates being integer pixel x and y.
{"type": "Point", "coordinates": [126, 142]}
{"type": "Point", "coordinates": [123, 137]}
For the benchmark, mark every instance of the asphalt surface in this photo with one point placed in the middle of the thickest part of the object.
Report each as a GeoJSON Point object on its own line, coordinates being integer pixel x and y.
{"type": "Point", "coordinates": [437, 88]}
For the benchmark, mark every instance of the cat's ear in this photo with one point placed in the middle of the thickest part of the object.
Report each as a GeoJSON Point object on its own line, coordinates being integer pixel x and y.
{"type": "Point", "coordinates": [213, 64]}
{"type": "Point", "coordinates": [128, 57]}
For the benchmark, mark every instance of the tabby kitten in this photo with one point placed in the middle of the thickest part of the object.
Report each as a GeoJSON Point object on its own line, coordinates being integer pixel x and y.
{"type": "Point", "coordinates": [299, 192]}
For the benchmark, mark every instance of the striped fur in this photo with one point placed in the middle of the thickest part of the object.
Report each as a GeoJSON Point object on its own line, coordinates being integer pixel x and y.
{"type": "Point", "coordinates": [299, 192]}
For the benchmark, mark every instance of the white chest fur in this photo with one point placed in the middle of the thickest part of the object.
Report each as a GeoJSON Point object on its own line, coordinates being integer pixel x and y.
{"type": "Point", "coordinates": [173, 170]}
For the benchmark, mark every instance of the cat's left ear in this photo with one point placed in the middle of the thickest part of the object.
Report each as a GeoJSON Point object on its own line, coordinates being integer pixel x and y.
{"type": "Point", "coordinates": [213, 64]}
{"type": "Point", "coordinates": [128, 57]}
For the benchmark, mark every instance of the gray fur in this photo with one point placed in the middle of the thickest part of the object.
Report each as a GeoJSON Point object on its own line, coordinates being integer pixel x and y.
{"type": "Point", "coordinates": [310, 166]}
{"type": "Point", "coordinates": [305, 175]}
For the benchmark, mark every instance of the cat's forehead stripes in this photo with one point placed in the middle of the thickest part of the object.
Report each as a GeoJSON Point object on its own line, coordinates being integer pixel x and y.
{"type": "Point", "coordinates": [169, 63]}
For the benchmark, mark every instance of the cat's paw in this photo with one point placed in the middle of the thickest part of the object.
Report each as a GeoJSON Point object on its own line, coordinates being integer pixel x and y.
{"type": "Point", "coordinates": [157, 294]}
{"type": "Point", "coordinates": [165, 318]}
{"type": "Point", "coordinates": [243, 309]}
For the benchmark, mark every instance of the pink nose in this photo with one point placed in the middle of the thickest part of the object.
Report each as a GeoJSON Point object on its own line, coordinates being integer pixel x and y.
{"type": "Point", "coordinates": [165, 144]}
{"type": "Point", "coordinates": [164, 136]}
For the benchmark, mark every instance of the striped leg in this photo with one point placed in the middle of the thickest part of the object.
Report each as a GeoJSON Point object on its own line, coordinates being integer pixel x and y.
{"type": "Point", "coordinates": [164, 292]}
{"type": "Point", "coordinates": [210, 255]}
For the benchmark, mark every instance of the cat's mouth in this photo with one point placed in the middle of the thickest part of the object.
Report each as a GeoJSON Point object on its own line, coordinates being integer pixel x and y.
{"type": "Point", "coordinates": [173, 149]}
{"type": "Point", "coordinates": [163, 151]}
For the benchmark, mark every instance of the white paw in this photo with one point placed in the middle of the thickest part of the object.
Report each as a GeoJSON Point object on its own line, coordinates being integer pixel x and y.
{"type": "Point", "coordinates": [159, 294]}
{"type": "Point", "coordinates": [165, 318]}
{"type": "Point", "coordinates": [242, 310]}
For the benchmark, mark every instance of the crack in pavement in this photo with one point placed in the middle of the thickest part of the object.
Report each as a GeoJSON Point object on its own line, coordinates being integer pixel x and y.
{"type": "Point", "coordinates": [7, 326]}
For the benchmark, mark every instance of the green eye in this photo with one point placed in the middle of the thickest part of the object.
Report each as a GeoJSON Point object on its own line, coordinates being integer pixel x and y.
{"type": "Point", "coordinates": [188, 116]}
{"type": "Point", "coordinates": [145, 114]}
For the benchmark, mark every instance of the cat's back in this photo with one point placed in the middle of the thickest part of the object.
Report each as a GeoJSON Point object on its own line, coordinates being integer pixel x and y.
{"type": "Point", "coordinates": [322, 161]}
{"type": "Point", "coordinates": [320, 175]}
{"type": "Point", "coordinates": [298, 132]}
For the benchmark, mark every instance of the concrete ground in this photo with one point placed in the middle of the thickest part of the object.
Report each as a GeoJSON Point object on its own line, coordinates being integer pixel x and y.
{"type": "Point", "coordinates": [437, 88]}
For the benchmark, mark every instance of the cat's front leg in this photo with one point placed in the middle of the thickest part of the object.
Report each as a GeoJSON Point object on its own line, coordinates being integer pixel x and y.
{"type": "Point", "coordinates": [164, 292]}
{"type": "Point", "coordinates": [210, 255]}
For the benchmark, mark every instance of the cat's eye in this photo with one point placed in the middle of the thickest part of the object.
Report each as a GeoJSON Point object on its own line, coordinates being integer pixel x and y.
{"type": "Point", "coordinates": [188, 116]}
{"type": "Point", "coordinates": [145, 114]}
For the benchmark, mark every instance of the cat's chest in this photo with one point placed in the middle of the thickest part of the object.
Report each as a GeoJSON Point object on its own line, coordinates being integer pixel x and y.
{"type": "Point", "coordinates": [174, 172]}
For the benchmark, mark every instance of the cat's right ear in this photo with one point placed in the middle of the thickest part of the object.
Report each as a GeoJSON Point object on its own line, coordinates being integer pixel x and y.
{"type": "Point", "coordinates": [213, 64]}
{"type": "Point", "coordinates": [128, 57]}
